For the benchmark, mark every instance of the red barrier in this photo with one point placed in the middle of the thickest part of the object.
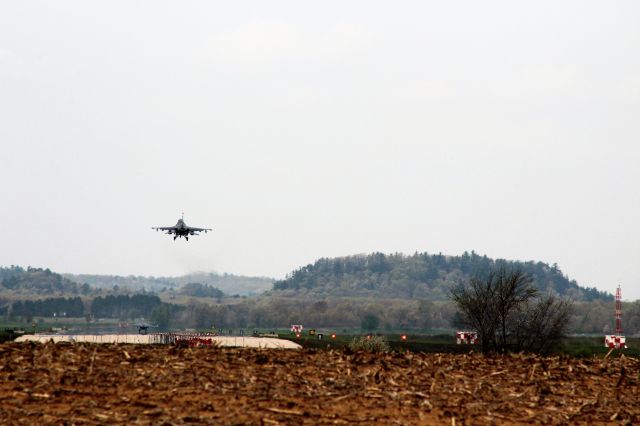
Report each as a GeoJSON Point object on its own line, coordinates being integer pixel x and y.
{"type": "Point", "coordinates": [193, 339]}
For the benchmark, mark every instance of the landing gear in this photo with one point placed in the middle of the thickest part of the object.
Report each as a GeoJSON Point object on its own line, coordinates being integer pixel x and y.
{"type": "Point", "coordinates": [174, 237]}
{"type": "Point", "coordinates": [186, 238]}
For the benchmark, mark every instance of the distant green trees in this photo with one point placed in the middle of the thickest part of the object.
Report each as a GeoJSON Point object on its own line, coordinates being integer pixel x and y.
{"type": "Point", "coordinates": [205, 316]}
{"type": "Point", "coordinates": [59, 306]}
{"type": "Point", "coordinates": [272, 311]}
{"type": "Point", "coordinates": [110, 306]}
{"type": "Point", "coordinates": [162, 314]}
{"type": "Point", "coordinates": [597, 317]}
{"type": "Point", "coordinates": [201, 290]}
{"type": "Point", "coordinates": [370, 322]}
{"type": "Point", "coordinates": [125, 306]}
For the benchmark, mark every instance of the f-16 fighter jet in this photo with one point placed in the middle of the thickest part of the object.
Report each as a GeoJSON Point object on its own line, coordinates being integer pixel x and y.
{"type": "Point", "coordinates": [181, 229]}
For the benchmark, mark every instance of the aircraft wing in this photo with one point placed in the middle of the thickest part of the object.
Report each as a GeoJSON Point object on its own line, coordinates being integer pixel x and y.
{"type": "Point", "coordinates": [169, 229]}
{"type": "Point", "coordinates": [198, 229]}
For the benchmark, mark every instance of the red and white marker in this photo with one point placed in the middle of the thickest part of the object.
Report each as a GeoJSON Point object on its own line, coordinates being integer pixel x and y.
{"type": "Point", "coordinates": [466, 337]}
{"type": "Point", "coordinates": [616, 341]}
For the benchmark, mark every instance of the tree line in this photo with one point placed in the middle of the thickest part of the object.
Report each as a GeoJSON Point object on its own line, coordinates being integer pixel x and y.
{"type": "Point", "coordinates": [274, 310]}
{"type": "Point", "coordinates": [124, 306]}
{"type": "Point", "coordinates": [594, 317]}
{"type": "Point", "coordinates": [58, 306]}
{"type": "Point", "coordinates": [111, 306]}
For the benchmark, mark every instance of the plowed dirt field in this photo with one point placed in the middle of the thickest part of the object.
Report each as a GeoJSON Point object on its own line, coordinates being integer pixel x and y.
{"type": "Point", "coordinates": [127, 384]}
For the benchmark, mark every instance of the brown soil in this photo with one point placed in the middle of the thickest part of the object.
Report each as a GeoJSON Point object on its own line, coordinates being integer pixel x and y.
{"type": "Point", "coordinates": [98, 384]}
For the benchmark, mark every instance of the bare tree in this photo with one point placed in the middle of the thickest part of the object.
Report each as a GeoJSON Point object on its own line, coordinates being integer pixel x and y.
{"type": "Point", "coordinates": [542, 324]}
{"type": "Point", "coordinates": [509, 313]}
{"type": "Point", "coordinates": [475, 305]}
{"type": "Point", "coordinates": [512, 290]}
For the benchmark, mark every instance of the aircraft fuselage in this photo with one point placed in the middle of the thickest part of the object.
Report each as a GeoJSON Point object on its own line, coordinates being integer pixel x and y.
{"type": "Point", "coordinates": [182, 230]}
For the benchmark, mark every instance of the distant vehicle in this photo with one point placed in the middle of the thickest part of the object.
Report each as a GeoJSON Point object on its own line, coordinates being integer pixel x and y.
{"type": "Point", "coordinates": [181, 229]}
{"type": "Point", "coordinates": [143, 327]}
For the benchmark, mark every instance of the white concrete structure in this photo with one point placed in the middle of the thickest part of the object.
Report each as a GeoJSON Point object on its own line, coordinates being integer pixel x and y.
{"type": "Point", "coordinates": [256, 342]}
{"type": "Point", "coordinates": [145, 339]}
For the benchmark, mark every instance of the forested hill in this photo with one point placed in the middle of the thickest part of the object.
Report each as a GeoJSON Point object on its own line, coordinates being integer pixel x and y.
{"type": "Point", "coordinates": [19, 281]}
{"type": "Point", "coordinates": [418, 276]}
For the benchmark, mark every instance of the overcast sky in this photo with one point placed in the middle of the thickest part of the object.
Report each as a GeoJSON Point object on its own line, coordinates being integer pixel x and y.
{"type": "Point", "coordinates": [300, 130]}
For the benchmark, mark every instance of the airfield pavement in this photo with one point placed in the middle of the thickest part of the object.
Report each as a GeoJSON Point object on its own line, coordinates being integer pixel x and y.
{"type": "Point", "coordinates": [83, 383]}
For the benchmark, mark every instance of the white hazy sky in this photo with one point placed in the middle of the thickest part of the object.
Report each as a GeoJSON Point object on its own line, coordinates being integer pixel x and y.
{"type": "Point", "coordinates": [300, 130]}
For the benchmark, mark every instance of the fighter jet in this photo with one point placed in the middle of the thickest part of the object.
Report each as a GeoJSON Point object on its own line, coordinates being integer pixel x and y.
{"type": "Point", "coordinates": [181, 229]}
{"type": "Point", "coordinates": [143, 328]}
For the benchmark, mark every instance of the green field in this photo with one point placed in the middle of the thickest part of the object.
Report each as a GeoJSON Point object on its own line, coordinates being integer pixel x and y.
{"type": "Point", "coordinates": [574, 346]}
{"type": "Point", "coordinates": [428, 341]}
